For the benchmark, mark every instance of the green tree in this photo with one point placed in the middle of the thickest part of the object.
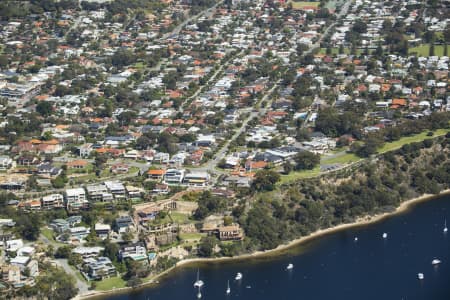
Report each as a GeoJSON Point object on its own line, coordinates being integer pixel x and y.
{"type": "Point", "coordinates": [306, 160]}
{"type": "Point", "coordinates": [29, 227]}
{"type": "Point", "coordinates": [206, 246]}
{"type": "Point", "coordinates": [265, 180]}
{"type": "Point", "coordinates": [44, 108]}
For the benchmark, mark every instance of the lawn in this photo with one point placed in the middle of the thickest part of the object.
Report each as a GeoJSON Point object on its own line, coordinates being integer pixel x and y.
{"type": "Point", "coordinates": [179, 217]}
{"type": "Point", "coordinates": [335, 51]}
{"type": "Point", "coordinates": [411, 139]}
{"type": "Point", "coordinates": [191, 236]}
{"type": "Point", "coordinates": [350, 157]}
{"type": "Point", "coordinates": [299, 175]}
{"type": "Point", "coordinates": [139, 65]}
{"type": "Point", "coordinates": [424, 50]}
{"type": "Point", "coordinates": [302, 4]}
{"type": "Point", "coordinates": [110, 283]}
{"type": "Point", "coordinates": [340, 159]}
{"type": "Point", "coordinates": [48, 233]}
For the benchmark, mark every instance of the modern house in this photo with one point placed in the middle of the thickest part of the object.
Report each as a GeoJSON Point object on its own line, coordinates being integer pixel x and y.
{"type": "Point", "coordinates": [102, 230]}
{"type": "Point", "coordinates": [136, 251]}
{"type": "Point", "coordinates": [123, 224]}
{"type": "Point", "coordinates": [52, 201]}
{"type": "Point", "coordinates": [196, 178]}
{"type": "Point", "coordinates": [174, 176]}
{"type": "Point", "coordinates": [75, 199]}
{"type": "Point", "coordinates": [99, 268]}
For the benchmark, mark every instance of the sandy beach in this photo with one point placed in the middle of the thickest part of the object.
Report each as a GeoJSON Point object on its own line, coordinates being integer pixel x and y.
{"type": "Point", "coordinates": [403, 207]}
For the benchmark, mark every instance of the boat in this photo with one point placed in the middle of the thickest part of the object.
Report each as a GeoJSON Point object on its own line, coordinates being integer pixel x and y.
{"type": "Point", "coordinates": [420, 276]}
{"type": "Point", "coordinates": [248, 287]}
{"type": "Point", "coordinates": [289, 267]}
{"type": "Point", "coordinates": [238, 276]}
{"type": "Point", "coordinates": [198, 283]}
{"type": "Point", "coordinates": [228, 287]}
{"type": "Point", "coordinates": [356, 238]}
{"type": "Point", "coordinates": [384, 235]}
{"type": "Point", "coordinates": [445, 226]}
{"type": "Point", "coordinates": [435, 262]}
{"type": "Point", "coordinates": [199, 294]}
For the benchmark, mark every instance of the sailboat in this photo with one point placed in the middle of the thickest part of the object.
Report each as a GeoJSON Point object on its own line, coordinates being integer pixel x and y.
{"type": "Point", "coordinates": [199, 294]}
{"type": "Point", "coordinates": [445, 226]}
{"type": "Point", "coordinates": [198, 283]}
{"type": "Point", "coordinates": [435, 262]}
{"type": "Point", "coordinates": [228, 288]}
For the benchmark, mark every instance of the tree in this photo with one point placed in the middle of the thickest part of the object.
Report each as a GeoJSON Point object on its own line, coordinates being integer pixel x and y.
{"type": "Point", "coordinates": [370, 146]}
{"type": "Point", "coordinates": [143, 142]}
{"type": "Point", "coordinates": [306, 160]}
{"type": "Point", "coordinates": [134, 282]}
{"type": "Point", "coordinates": [56, 284]}
{"type": "Point", "coordinates": [44, 108]}
{"type": "Point", "coordinates": [63, 252]}
{"type": "Point", "coordinates": [208, 204]}
{"type": "Point", "coordinates": [59, 182]}
{"type": "Point", "coordinates": [262, 227]}
{"type": "Point", "coordinates": [111, 250]}
{"type": "Point", "coordinates": [431, 50]}
{"type": "Point", "coordinates": [265, 180]}
{"type": "Point", "coordinates": [29, 227]}
{"type": "Point", "coordinates": [206, 246]}
{"type": "Point", "coordinates": [3, 61]}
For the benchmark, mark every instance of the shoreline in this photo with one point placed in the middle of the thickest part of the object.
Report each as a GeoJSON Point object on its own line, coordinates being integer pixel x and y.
{"type": "Point", "coordinates": [361, 221]}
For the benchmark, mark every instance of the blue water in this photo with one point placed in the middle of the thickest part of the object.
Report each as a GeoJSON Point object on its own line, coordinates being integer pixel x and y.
{"type": "Point", "coordinates": [334, 266]}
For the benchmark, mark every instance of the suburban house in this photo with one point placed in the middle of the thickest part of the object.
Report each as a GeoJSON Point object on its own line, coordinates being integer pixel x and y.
{"type": "Point", "coordinates": [157, 174]}
{"type": "Point", "coordinates": [136, 251]}
{"type": "Point", "coordinates": [102, 230]}
{"type": "Point", "coordinates": [75, 199]}
{"type": "Point", "coordinates": [123, 224]}
{"type": "Point", "coordinates": [52, 201]}
{"type": "Point", "coordinates": [174, 176]}
{"type": "Point", "coordinates": [6, 163]}
{"type": "Point", "coordinates": [196, 178]}
{"type": "Point", "coordinates": [99, 268]}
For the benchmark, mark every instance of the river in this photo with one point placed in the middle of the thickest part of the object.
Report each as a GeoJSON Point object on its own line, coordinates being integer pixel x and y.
{"type": "Point", "coordinates": [334, 266]}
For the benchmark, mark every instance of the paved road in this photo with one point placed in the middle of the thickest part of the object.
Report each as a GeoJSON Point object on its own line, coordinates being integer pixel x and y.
{"type": "Point", "coordinates": [177, 29]}
{"type": "Point", "coordinates": [211, 79]}
{"type": "Point", "coordinates": [80, 284]}
{"type": "Point", "coordinates": [211, 164]}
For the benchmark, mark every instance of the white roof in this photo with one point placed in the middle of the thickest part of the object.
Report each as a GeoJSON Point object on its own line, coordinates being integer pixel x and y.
{"type": "Point", "coordinates": [99, 226]}
{"type": "Point", "coordinates": [74, 192]}
{"type": "Point", "coordinates": [20, 260]}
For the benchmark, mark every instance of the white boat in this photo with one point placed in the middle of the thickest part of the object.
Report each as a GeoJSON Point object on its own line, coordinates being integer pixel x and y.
{"type": "Point", "coordinates": [289, 267]}
{"type": "Point", "coordinates": [228, 287]}
{"type": "Point", "coordinates": [356, 238]}
{"type": "Point", "coordinates": [198, 283]}
{"type": "Point", "coordinates": [199, 294]}
{"type": "Point", "coordinates": [435, 262]}
{"type": "Point", "coordinates": [238, 276]}
{"type": "Point", "coordinates": [420, 276]}
{"type": "Point", "coordinates": [385, 235]}
{"type": "Point", "coordinates": [445, 226]}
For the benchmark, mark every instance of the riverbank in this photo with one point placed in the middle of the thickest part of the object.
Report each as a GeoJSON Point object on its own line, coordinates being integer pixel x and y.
{"type": "Point", "coordinates": [362, 221]}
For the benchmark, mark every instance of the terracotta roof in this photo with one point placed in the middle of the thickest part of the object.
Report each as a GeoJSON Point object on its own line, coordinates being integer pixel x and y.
{"type": "Point", "coordinates": [156, 172]}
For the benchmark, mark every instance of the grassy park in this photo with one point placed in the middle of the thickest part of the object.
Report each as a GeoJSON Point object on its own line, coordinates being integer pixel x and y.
{"type": "Point", "coordinates": [348, 158]}
{"type": "Point", "coordinates": [303, 4]}
{"type": "Point", "coordinates": [110, 283]}
{"type": "Point", "coordinates": [424, 50]}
